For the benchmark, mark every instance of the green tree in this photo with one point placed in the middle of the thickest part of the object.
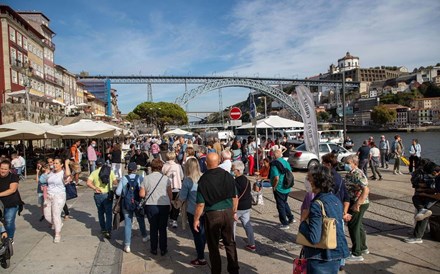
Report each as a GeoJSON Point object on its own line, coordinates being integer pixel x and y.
{"type": "Point", "coordinates": [161, 114]}
{"type": "Point", "coordinates": [323, 116]}
{"type": "Point", "coordinates": [131, 116]}
{"type": "Point", "coordinates": [382, 115]}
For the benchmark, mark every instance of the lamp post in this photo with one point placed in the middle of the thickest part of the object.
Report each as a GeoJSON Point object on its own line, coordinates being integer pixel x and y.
{"type": "Point", "coordinates": [265, 110]}
{"type": "Point", "coordinates": [26, 70]}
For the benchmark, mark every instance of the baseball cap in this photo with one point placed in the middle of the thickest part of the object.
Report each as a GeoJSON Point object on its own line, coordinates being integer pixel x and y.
{"type": "Point", "coordinates": [132, 166]}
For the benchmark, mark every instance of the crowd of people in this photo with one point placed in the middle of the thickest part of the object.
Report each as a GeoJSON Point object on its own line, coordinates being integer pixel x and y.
{"type": "Point", "coordinates": [207, 185]}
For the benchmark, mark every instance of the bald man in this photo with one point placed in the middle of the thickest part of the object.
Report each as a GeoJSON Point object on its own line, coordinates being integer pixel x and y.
{"type": "Point", "coordinates": [217, 197]}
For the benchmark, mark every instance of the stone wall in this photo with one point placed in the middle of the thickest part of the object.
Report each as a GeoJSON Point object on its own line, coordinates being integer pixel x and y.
{"type": "Point", "coordinates": [17, 112]}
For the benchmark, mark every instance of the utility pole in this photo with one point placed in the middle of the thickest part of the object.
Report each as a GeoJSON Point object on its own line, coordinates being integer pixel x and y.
{"type": "Point", "coordinates": [344, 118]}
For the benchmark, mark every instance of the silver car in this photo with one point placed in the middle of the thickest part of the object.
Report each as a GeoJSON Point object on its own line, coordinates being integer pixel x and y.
{"type": "Point", "coordinates": [300, 158]}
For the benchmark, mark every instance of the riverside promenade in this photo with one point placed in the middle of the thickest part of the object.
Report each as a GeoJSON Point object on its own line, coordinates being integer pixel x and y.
{"type": "Point", "coordinates": [83, 250]}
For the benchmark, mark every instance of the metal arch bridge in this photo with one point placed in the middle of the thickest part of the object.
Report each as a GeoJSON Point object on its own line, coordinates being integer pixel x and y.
{"type": "Point", "coordinates": [209, 83]}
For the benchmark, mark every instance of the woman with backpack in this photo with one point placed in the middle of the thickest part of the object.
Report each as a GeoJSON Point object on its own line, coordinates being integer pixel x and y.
{"type": "Point", "coordinates": [128, 188]}
{"type": "Point", "coordinates": [188, 193]}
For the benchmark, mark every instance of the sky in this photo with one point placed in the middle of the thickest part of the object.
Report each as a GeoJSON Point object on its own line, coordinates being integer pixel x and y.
{"type": "Point", "coordinates": [267, 38]}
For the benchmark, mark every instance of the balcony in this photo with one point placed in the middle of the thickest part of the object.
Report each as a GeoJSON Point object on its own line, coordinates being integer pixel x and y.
{"type": "Point", "coordinates": [17, 64]}
{"type": "Point", "coordinates": [49, 44]}
{"type": "Point", "coordinates": [50, 78]}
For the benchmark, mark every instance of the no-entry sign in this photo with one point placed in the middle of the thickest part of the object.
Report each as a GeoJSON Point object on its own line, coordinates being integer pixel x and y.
{"type": "Point", "coordinates": [235, 113]}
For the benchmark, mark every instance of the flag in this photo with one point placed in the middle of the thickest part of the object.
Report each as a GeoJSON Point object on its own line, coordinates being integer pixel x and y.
{"type": "Point", "coordinates": [252, 107]}
{"type": "Point", "coordinates": [307, 108]}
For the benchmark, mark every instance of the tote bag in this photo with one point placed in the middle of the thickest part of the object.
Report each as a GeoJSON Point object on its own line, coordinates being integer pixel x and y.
{"type": "Point", "coordinates": [328, 235]}
{"type": "Point", "coordinates": [71, 192]}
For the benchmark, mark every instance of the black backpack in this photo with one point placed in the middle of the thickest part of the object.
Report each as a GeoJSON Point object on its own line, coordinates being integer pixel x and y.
{"type": "Point", "coordinates": [104, 174]}
{"type": "Point", "coordinates": [131, 195]}
{"type": "Point", "coordinates": [289, 180]}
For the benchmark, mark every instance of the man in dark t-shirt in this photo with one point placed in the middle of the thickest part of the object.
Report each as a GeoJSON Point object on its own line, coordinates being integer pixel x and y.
{"type": "Point", "coordinates": [9, 196]}
{"type": "Point", "coordinates": [217, 197]}
{"type": "Point", "coordinates": [364, 156]}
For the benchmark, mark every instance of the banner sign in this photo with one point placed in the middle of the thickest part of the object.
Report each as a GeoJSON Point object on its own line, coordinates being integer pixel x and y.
{"type": "Point", "coordinates": [308, 113]}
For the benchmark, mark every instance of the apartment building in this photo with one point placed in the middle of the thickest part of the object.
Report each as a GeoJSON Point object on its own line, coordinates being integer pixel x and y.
{"type": "Point", "coordinates": [29, 70]}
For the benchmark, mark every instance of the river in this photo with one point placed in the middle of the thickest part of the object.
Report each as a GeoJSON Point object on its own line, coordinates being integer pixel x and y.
{"type": "Point", "coordinates": [429, 141]}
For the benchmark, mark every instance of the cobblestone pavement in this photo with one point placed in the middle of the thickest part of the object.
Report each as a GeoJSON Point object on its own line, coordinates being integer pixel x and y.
{"type": "Point", "coordinates": [83, 250]}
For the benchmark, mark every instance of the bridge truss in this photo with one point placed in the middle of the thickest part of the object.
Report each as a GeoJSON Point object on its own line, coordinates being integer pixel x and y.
{"type": "Point", "coordinates": [209, 83]}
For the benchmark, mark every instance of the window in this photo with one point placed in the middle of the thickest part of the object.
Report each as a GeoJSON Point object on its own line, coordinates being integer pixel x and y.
{"type": "Point", "coordinates": [20, 57]}
{"type": "Point", "coordinates": [12, 34]}
{"type": "Point", "coordinates": [13, 56]}
{"type": "Point", "coordinates": [19, 39]}
{"type": "Point", "coordinates": [25, 43]}
{"type": "Point", "coordinates": [323, 148]}
{"type": "Point", "coordinates": [14, 77]}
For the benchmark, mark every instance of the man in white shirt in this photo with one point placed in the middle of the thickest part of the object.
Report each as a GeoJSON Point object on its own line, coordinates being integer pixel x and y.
{"type": "Point", "coordinates": [226, 164]}
{"type": "Point", "coordinates": [375, 161]}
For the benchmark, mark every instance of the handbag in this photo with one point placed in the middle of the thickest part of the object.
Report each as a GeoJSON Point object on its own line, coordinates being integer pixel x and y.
{"type": "Point", "coordinates": [71, 192]}
{"type": "Point", "coordinates": [328, 234]}
{"type": "Point", "coordinates": [300, 264]}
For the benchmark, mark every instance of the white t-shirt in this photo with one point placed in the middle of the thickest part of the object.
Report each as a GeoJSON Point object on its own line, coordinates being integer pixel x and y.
{"type": "Point", "coordinates": [374, 152]}
{"type": "Point", "coordinates": [16, 163]}
{"type": "Point", "coordinates": [226, 165]}
{"type": "Point", "coordinates": [55, 182]}
{"type": "Point", "coordinates": [159, 196]}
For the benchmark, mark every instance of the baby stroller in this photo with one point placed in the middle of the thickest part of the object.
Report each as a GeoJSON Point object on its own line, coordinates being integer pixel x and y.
{"type": "Point", "coordinates": [6, 250]}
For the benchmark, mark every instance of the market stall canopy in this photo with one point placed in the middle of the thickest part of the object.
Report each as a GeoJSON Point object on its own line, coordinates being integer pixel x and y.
{"type": "Point", "coordinates": [26, 130]}
{"type": "Point", "coordinates": [177, 131]}
{"type": "Point", "coordinates": [274, 121]}
{"type": "Point", "coordinates": [88, 129]}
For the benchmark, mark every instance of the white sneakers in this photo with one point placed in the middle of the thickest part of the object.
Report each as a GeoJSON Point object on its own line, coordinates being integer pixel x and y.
{"type": "Point", "coordinates": [127, 249]}
{"type": "Point", "coordinates": [423, 214]}
{"type": "Point", "coordinates": [413, 241]}
{"type": "Point", "coordinates": [353, 258]}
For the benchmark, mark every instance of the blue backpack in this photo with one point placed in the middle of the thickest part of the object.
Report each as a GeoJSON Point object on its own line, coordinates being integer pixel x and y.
{"type": "Point", "coordinates": [131, 197]}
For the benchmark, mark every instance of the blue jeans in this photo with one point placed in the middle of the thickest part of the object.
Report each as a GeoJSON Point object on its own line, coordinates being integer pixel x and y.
{"type": "Point", "coordinates": [158, 217]}
{"type": "Point", "coordinates": [92, 166]}
{"type": "Point", "coordinates": [128, 221]}
{"type": "Point", "coordinates": [284, 212]}
{"type": "Point", "coordinates": [322, 267]}
{"type": "Point", "coordinates": [363, 164]}
{"type": "Point", "coordinates": [199, 237]}
{"type": "Point", "coordinates": [10, 214]}
{"type": "Point", "coordinates": [245, 218]}
{"type": "Point", "coordinates": [104, 211]}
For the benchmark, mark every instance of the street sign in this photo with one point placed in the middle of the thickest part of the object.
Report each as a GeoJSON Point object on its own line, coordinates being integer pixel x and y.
{"type": "Point", "coordinates": [236, 123]}
{"type": "Point", "coordinates": [235, 113]}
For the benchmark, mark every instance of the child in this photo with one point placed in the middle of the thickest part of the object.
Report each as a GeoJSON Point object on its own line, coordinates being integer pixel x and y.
{"type": "Point", "coordinates": [43, 170]}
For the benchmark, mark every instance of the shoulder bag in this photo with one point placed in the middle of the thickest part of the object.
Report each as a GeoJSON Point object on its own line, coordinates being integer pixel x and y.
{"type": "Point", "coordinates": [247, 184]}
{"type": "Point", "coordinates": [328, 234]}
{"type": "Point", "coordinates": [144, 200]}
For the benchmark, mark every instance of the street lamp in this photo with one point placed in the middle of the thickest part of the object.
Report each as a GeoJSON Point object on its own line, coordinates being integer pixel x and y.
{"type": "Point", "coordinates": [265, 109]}
{"type": "Point", "coordinates": [26, 71]}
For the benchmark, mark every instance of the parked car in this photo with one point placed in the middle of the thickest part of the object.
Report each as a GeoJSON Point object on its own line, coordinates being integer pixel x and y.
{"type": "Point", "coordinates": [300, 158]}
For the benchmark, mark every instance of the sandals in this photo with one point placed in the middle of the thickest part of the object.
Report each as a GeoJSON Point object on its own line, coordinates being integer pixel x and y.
{"type": "Point", "coordinates": [198, 262]}
{"type": "Point", "coordinates": [67, 217]}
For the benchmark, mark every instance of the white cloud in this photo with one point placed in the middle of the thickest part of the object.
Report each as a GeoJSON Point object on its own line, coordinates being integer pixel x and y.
{"type": "Point", "coordinates": [263, 38]}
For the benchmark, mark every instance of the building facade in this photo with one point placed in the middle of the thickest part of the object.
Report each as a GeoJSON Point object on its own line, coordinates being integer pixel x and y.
{"type": "Point", "coordinates": [28, 70]}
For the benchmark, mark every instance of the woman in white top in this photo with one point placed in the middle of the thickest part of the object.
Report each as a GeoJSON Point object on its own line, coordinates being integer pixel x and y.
{"type": "Point", "coordinates": [56, 196]}
{"type": "Point", "coordinates": [174, 171]}
{"type": "Point", "coordinates": [157, 188]}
